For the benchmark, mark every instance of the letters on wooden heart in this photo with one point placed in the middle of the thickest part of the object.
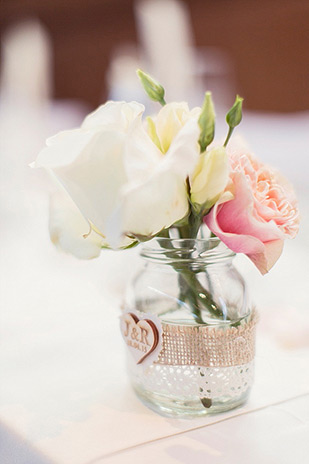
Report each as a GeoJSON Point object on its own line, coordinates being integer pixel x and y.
{"type": "Point", "coordinates": [141, 335]}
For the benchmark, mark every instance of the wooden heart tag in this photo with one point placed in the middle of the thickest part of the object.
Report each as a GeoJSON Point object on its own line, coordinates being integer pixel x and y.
{"type": "Point", "coordinates": [140, 335]}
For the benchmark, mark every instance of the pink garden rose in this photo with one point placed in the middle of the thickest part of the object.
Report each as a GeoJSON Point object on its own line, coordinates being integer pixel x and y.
{"type": "Point", "coordinates": [257, 211]}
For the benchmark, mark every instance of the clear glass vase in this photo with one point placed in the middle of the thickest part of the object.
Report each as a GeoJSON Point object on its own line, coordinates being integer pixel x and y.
{"type": "Point", "coordinates": [206, 359]}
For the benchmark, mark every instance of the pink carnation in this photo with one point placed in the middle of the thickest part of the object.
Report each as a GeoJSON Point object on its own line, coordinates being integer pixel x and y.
{"type": "Point", "coordinates": [262, 212]}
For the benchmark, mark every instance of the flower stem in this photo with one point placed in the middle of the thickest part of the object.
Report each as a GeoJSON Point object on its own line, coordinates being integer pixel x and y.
{"type": "Point", "coordinates": [202, 296]}
{"type": "Point", "coordinates": [191, 289]}
{"type": "Point", "coordinates": [230, 132]}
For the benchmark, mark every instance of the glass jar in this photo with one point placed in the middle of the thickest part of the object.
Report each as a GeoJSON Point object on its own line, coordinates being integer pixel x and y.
{"type": "Point", "coordinates": [207, 327]}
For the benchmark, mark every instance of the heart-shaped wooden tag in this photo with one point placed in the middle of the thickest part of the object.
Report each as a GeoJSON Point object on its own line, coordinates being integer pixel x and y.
{"type": "Point", "coordinates": [140, 335]}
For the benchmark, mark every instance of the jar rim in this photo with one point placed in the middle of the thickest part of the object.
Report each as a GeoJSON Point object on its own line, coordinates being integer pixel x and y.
{"type": "Point", "coordinates": [202, 250]}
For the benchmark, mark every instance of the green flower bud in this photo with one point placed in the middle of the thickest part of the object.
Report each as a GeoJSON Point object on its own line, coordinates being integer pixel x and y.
{"type": "Point", "coordinates": [154, 90]}
{"type": "Point", "coordinates": [207, 122]}
{"type": "Point", "coordinates": [234, 116]}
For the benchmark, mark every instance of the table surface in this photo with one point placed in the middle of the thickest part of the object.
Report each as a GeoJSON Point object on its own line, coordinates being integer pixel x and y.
{"type": "Point", "coordinates": [64, 394]}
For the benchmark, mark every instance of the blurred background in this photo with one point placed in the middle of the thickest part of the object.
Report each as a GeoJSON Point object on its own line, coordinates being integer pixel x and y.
{"type": "Point", "coordinates": [259, 49]}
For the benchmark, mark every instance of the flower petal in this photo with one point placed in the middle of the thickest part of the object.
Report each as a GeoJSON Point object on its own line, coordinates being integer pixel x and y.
{"type": "Point", "coordinates": [238, 215]}
{"type": "Point", "coordinates": [169, 121]}
{"type": "Point", "coordinates": [113, 115]}
{"type": "Point", "coordinates": [69, 229]}
{"type": "Point", "coordinates": [156, 204]}
{"type": "Point", "coordinates": [210, 177]}
{"type": "Point", "coordinates": [234, 223]}
{"type": "Point", "coordinates": [264, 261]}
{"type": "Point", "coordinates": [63, 148]}
{"type": "Point", "coordinates": [141, 155]}
{"type": "Point", "coordinates": [184, 150]}
{"type": "Point", "coordinates": [96, 177]}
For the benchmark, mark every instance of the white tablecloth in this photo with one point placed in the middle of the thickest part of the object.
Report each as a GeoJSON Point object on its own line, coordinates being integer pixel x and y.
{"type": "Point", "coordinates": [64, 394]}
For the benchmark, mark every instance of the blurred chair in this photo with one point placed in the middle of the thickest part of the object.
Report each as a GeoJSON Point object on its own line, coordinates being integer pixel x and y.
{"type": "Point", "coordinates": [25, 88]}
{"type": "Point", "coordinates": [164, 29]}
{"type": "Point", "coordinates": [121, 76]}
{"type": "Point", "coordinates": [28, 115]}
{"type": "Point", "coordinates": [27, 62]}
{"type": "Point", "coordinates": [215, 70]}
{"type": "Point", "coordinates": [166, 35]}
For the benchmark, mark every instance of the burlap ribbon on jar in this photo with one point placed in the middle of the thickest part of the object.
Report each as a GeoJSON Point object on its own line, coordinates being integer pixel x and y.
{"type": "Point", "coordinates": [208, 346]}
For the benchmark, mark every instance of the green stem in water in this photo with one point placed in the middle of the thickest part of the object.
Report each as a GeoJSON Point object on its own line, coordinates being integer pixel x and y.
{"type": "Point", "coordinates": [187, 294]}
{"type": "Point", "coordinates": [203, 297]}
{"type": "Point", "coordinates": [191, 289]}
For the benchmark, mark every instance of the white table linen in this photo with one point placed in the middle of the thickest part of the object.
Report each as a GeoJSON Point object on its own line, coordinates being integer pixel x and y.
{"type": "Point", "coordinates": [64, 394]}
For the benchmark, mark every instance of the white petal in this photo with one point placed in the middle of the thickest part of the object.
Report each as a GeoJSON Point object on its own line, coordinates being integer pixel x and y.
{"type": "Point", "coordinates": [155, 205]}
{"type": "Point", "coordinates": [112, 115]}
{"type": "Point", "coordinates": [63, 149]}
{"type": "Point", "coordinates": [211, 176]}
{"type": "Point", "coordinates": [184, 150]}
{"type": "Point", "coordinates": [67, 228]}
{"type": "Point", "coordinates": [95, 179]}
{"type": "Point", "coordinates": [142, 156]}
{"type": "Point", "coordinates": [169, 121]}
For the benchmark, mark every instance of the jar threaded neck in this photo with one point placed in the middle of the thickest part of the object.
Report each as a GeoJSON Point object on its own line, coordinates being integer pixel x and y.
{"type": "Point", "coordinates": [198, 251]}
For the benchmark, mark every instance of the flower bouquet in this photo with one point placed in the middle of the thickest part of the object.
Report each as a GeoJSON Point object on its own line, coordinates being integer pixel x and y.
{"type": "Point", "coordinates": [191, 203]}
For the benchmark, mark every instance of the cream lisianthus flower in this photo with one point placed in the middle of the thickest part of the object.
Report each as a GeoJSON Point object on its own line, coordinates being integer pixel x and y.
{"type": "Point", "coordinates": [123, 185]}
{"type": "Point", "coordinates": [159, 189]}
{"type": "Point", "coordinates": [169, 121]}
{"type": "Point", "coordinates": [210, 177]}
{"type": "Point", "coordinates": [211, 173]}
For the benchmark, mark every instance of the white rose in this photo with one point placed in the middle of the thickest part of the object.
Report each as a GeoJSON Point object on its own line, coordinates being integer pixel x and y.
{"type": "Point", "coordinates": [89, 162]}
{"type": "Point", "coordinates": [121, 182]}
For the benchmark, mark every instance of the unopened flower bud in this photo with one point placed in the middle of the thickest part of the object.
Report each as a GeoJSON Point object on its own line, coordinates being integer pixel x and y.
{"type": "Point", "coordinates": [207, 122]}
{"type": "Point", "coordinates": [234, 116]}
{"type": "Point", "coordinates": [154, 90]}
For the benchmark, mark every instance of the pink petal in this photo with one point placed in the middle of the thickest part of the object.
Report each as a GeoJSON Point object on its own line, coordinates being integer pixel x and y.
{"type": "Point", "coordinates": [240, 243]}
{"type": "Point", "coordinates": [237, 224]}
{"type": "Point", "coordinates": [240, 216]}
{"type": "Point", "coordinates": [264, 261]}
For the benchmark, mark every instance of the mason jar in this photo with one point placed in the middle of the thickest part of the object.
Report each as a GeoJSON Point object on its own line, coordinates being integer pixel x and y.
{"type": "Point", "coordinates": [196, 304]}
